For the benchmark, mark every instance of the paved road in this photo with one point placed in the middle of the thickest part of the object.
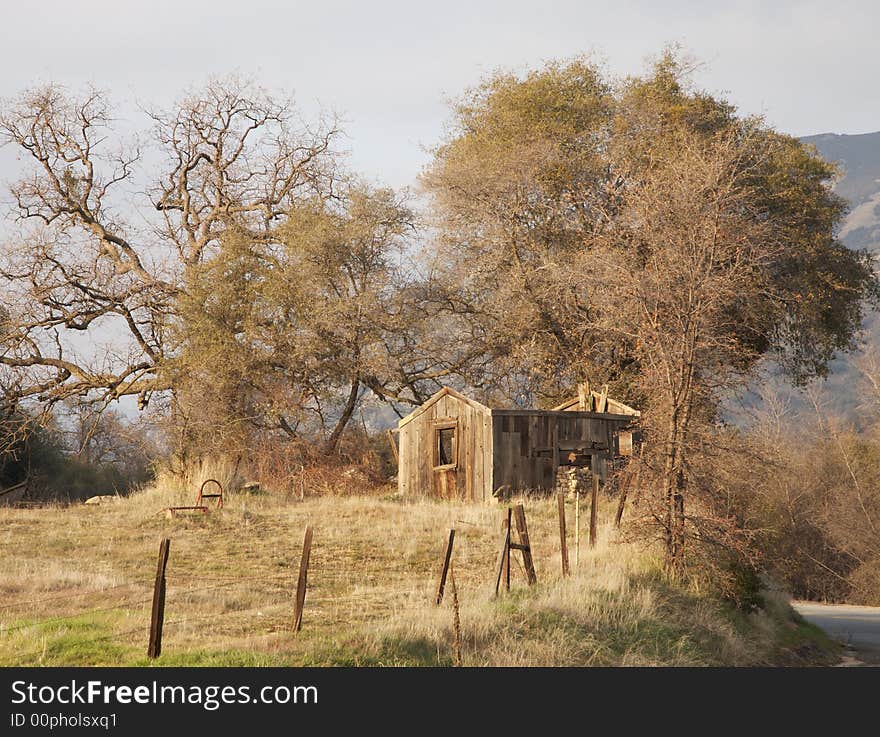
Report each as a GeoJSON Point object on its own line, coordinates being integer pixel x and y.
{"type": "Point", "coordinates": [858, 627]}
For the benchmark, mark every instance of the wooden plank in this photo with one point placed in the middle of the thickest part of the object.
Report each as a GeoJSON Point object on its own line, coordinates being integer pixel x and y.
{"type": "Point", "coordinates": [523, 530]}
{"type": "Point", "coordinates": [444, 570]}
{"type": "Point", "coordinates": [594, 510]}
{"type": "Point", "coordinates": [554, 441]}
{"type": "Point", "coordinates": [563, 544]}
{"type": "Point", "coordinates": [583, 443]}
{"type": "Point", "coordinates": [456, 622]}
{"type": "Point", "coordinates": [508, 525]}
{"type": "Point", "coordinates": [157, 617]}
{"type": "Point", "coordinates": [480, 452]}
{"type": "Point", "coordinates": [467, 447]}
{"type": "Point", "coordinates": [403, 469]}
{"type": "Point", "coordinates": [610, 416]}
{"type": "Point", "coordinates": [504, 560]}
{"type": "Point", "coordinates": [602, 404]}
{"type": "Point", "coordinates": [514, 461]}
{"type": "Point", "coordinates": [497, 454]}
{"type": "Point", "coordinates": [394, 451]}
{"type": "Point", "coordinates": [302, 581]}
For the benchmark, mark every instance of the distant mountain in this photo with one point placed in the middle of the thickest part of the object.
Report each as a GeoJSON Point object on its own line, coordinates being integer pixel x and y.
{"type": "Point", "coordinates": [858, 157]}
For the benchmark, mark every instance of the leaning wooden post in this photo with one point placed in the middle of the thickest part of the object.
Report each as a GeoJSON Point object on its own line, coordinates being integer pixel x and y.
{"type": "Point", "coordinates": [302, 580]}
{"type": "Point", "coordinates": [524, 546]}
{"type": "Point", "coordinates": [508, 524]}
{"type": "Point", "coordinates": [563, 545]}
{"type": "Point", "coordinates": [157, 619]}
{"type": "Point", "coordinates": [594, 504]}
{"type": "Point", "coordinates": [447, 556]}
{"type": "Point", "coordinates": [504, 560]}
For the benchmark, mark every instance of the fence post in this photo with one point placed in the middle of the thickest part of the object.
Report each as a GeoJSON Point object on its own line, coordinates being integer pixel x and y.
{"type": "Point", "coordinates": [594, 503]}
{"type": "Point", "coordinates": [508, 523]}
{"type": "Point", "coordinates": [447, 556]}
{"type": "Point", "coordinates": [563, 544]}
{"type": "Point", "coordinates": [504, 561]}
{"type": "Point", "coordinates": [157, 618]}
{"type": "Point", "coordinates": [577, 528]}
{"type": "Point", "coordinates": [302, 580]}
{"type": "Point", "coordinates": [456, 622]}
{"type": "Point", "coordinates": [524, 545]}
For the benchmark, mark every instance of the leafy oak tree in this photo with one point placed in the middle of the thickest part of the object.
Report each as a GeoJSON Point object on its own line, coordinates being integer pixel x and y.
{"type": "Point", "coordinates": [291, 330]}
{"type": "Point", "coordinates": [643, 233]}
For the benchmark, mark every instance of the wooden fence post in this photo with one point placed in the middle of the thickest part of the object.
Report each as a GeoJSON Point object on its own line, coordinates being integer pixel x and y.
{"type": "Point", "coordinates": [157, 618]}
{"type": "Point", "coordinates": [504, 560]}
{"type": "Point", "coordinates": [456, 622]}
{"type": "Point", "coordinates": [563, 544]}
{"type": "Point", "coordinates": [594, 504]}
{"type": "Point", "coordinates": [524, 546]}
{"type": "Point", "coordinates": [447, 556]}
{"type": "Point", "coordinates": [508, 524]}
{"type": "Point", "coordinates": [577, 528]}
{"type": "Point", "coordinates": [302, 580]}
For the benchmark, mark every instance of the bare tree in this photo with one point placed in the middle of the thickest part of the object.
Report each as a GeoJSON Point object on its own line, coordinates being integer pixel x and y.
{"type": "Point", "coordinates": [232, 154]}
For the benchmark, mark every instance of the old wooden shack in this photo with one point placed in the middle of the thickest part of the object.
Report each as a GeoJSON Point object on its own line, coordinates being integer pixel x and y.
{"type": "Point", "coordinates": [456, 448]}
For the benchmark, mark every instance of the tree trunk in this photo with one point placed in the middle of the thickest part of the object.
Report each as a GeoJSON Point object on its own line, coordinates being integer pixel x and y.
{"type": "Point", "coordinates": [670, 466]}
{"type": "Point", "coordinates": [347, 412]}
{"type": "Point", "coordinates": [674, 487]}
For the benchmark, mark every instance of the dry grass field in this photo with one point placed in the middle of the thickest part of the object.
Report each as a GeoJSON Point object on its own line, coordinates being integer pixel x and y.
{"type": "Point", "coordinates": [76, 584]}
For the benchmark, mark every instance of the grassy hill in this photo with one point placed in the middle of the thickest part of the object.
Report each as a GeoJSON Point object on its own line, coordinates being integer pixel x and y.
{"type": "Point", "coordinates": [76, 585]}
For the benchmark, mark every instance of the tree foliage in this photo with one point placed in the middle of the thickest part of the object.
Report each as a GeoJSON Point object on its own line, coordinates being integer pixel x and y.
{"type": "Point", "coordinates": [291, 329]}
{"type": "Point", "coordinates": [644, 234]}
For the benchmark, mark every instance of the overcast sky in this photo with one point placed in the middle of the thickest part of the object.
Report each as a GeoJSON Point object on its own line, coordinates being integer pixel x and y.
{"type": "Point", "coordinates": [389, 66]}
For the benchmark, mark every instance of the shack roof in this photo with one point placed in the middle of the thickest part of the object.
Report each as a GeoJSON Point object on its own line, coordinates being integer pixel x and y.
{"type": "Point", "coordinates": [445, 391]}
{"type": "Point", "coordinates": [613, 407]}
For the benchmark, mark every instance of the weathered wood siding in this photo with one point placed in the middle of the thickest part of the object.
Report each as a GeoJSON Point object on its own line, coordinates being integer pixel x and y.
{"type": "Point", "coordinates": [471, 479]}
{"type": "Point", "coordinates": [523, 446]}
{"type": "Point", "coordinates": [530, 444]}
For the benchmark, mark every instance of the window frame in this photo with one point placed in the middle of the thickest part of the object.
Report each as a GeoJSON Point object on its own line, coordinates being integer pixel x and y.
{"type": "Point", "coordinates": [446, 423]}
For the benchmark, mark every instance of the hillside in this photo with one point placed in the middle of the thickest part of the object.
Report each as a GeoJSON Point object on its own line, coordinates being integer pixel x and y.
{"type": "Point", "coordinates": [858, 157]}
{"type": "Point", "coordinates": [77, 581]}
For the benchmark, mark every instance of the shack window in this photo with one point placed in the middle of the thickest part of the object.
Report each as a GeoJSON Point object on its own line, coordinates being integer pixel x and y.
{"type": "Point", "coordinates": [445, 445]}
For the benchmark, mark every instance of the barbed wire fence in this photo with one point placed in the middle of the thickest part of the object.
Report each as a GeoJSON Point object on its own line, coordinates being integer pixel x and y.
{"type": "Point", "coordinates": [329, 590]}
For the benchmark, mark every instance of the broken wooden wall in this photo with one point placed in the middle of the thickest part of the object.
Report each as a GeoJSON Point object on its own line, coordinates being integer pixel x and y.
{"type": "Point", "coordinates": [529, 445]}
